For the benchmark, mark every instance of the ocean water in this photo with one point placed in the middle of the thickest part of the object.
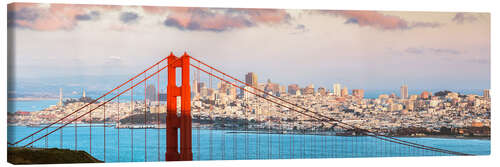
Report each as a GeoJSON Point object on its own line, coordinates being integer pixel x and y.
{"type": "Point", "coordinates": [30, 105]}
{"type": "Point", "coordinates": [132, 145]}
{"type": "Point", "coordinates": [138, 145]}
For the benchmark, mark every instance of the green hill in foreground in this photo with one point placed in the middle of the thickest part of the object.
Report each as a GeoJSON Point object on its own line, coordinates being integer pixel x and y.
{"type": "Point", "coordinates": [17, 155]}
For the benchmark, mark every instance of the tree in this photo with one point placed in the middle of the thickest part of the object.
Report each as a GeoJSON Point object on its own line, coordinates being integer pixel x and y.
{"type": "Point", "coordinates": [442, 93]}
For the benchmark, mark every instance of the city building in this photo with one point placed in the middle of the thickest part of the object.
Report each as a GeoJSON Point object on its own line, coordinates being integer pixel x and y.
{"type": "Point", "coordinates": [395, 107]}
{"type": "Point", "coordinates": [204, 92]}
{"type": "Point", "coordinates": [383, 96]}
{"type": "Point", "coordinates": [322, 91]}
{"type": "Point", "coordinates": [272, 87]}
{"type": "Point", "coordinates": [247, 94]}
{"type": "Point", "coordinates": [409, 105]}
{"type": "Point", "coordinates": [194, 88]}
{"type": "Point", "coordinates": [336, 90]}
{"type": "Point", "coordinates": [232, 92]}
{"type": "Point", "coordinates": [298, 93]}
{"type": "Point", "coordinates": [251, 79]}
{"type": "Point", "coordinates": [162, 97]}
{"type": "Point", "coordinates": [452, 95]}
{"type": "Point", "coordinates": [413, 97]}
{"type": "Point", "coordinates": [282, 89]}
{"type": "Point", "coordinates": [392, 96]}
{"type": "Point", "coordinates": [404, 92]}
{"type": "Point", "coordinates": [200, 86]}
{"type": "Point", "coordinates": [151, 93]}
{"type": "Point", "coordinates": [486, 93]}
{"type": "Point", "coordinates": [344, 92]}
{"type": "Point", "coordinates": [309, 90]}
{"type": "Point", "coordinates": [60, 97]}
{"type": "Point", "coordinates": [477, 123]}
{"type": "Point", "coordinates": [293, 88]}
{"type": "Point", "coordinates": [425, 95]}
{"type": "Point", "coordinates": [359, 93]}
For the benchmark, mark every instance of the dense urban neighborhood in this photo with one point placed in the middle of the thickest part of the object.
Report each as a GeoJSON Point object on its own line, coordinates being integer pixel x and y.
{"type": "Point", "coordinates": [441, 113]}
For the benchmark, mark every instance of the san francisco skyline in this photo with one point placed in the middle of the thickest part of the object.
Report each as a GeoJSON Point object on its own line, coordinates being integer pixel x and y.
{"type": "Point", "coordinates": [241, 83]}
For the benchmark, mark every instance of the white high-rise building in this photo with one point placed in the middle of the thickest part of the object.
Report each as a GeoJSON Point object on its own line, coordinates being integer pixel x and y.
{"type": "Point", "coordinates": [195, 88]}
{"type": "Point", "coordinates": [337, 89]}
{"type": "Point", "coordinates": [60, 98]}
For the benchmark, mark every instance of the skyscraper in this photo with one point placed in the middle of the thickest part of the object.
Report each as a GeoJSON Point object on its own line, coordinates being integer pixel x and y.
{"type": "Point", "coordinates": [486, 93]}
{"type": "Point", "coordinates": [194, 88]}
{"type": "Point", "coordinates": [344, 92]}
{"type": "Point", "coordinates": [404, 92]}
{"type": "Point", "coordinates": [200, 86]}
{"type": "Point", "coordinates": [359, 93]}
{"type": "Point", "coordinates": [251, 79]}
{"type": "Point", "coordinates": [337, 89]}
{"type": "Point", "coordinates": [83, 94]}
{"type": "Point", "coordinates": [60, 98]}
{"type": "Point", "coordinates": [151, 92]}
{"type": "Point", "coordinates": [321, 91]}
{"type": "Point", "coordinates": [292, 89]}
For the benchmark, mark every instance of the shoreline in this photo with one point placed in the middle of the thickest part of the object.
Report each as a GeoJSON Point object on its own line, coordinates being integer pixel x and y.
{"type": "Point", "coordinates": [450, 137]}
{"type": "Point", "coordinates": [285, 132]}
{"type": "Point", "coordinates": [30, 98]}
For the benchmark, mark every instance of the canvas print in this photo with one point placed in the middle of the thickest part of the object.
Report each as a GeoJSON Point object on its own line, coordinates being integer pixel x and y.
{"type": "Point", "coordinates": [107, 83]}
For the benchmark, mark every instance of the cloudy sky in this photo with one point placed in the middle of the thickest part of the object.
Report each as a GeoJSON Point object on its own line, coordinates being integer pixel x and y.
{"type": "Point", "coordinates": [361, 49]}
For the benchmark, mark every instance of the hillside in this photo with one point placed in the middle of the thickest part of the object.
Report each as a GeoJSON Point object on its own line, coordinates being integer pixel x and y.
{"type": "Point", "coordinates": [17, 155]}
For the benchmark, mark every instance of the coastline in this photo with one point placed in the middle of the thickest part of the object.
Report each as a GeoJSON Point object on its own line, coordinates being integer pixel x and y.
{"type": "Point", "coordinates": [450, 137]}
{"type": "Point", "coordinates": [286, 132]}
{"type": "Point", "coordinates": [30, 98]}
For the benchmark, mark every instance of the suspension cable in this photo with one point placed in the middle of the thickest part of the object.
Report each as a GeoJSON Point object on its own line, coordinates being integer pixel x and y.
{"type": "Point", "coordinates": [316, 116]}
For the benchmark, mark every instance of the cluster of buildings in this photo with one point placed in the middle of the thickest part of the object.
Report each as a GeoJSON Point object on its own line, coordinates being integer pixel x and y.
{"type": "Point", "coordinates": [221, 101]}
{"type": "Point", "coordinates": [387, 112]}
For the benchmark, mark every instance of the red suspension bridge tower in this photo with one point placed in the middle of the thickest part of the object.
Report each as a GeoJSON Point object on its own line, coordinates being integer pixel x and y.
{"type": "Point", "coordinates": [174, 122]}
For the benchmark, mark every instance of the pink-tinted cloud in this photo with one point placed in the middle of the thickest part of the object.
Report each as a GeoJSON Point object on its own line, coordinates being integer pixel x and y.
{"type": "Point", "coordinates": [272, 16]}
{"type": "Point", "coordinates": [374, 19]}
{"type": "Point", "coordinates": [425, 24]}
{"type": "Point", "coordinates": [461, 17]}
{"type": "Point", "coordinates": [52, 17]}
{"type": "Point", "coordinates": [432, 51]}
{"type": "Point", "coordinates": [154, 9]}
{"type": "Point", "coordinates": [378, 20]}
{"type": "Point", "coordinates": [217, 20]}
{"type": "Point", "coordinates": [19, 6]}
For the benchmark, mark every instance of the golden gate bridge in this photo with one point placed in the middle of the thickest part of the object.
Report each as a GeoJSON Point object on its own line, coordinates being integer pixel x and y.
{"type": "Point", "coordinates": [179, 136]}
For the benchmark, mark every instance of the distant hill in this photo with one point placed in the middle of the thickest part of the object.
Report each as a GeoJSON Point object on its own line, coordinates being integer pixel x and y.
{"type": "Point", "coordinates": [17, 155]}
